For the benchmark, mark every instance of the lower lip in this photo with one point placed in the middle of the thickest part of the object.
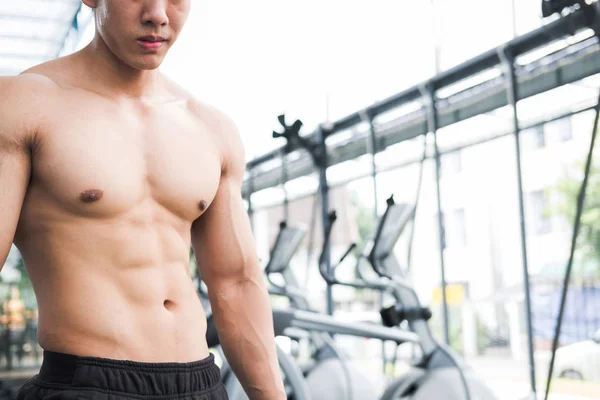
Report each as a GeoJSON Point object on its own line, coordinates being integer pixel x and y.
{"type": "Point", "coordinates": [150, 45]}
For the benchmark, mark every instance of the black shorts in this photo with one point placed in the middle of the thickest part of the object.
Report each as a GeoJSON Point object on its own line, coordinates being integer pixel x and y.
{"type": "Point", "coordinates": [68, 377]}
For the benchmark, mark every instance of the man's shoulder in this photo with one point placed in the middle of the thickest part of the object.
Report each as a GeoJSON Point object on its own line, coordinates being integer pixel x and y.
{"type": "Point", "coordinates": [225, 133]}
{"type": "Point", "coordinates": [26, 92]}
{"type": "Point", "coordinates": [209, 115]}
{"type": "Point", "coordinates": [220, 127]}
{"type": "Point", "coordinates": [28, 84]}
{"type": "Point", "coordinates": [214, 118]}
{"type": "Point", "coordinates": [23, 97]}
{"type": "Point", "coordinates": [218, 124]}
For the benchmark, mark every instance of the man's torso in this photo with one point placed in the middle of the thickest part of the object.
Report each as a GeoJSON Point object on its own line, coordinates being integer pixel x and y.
{"type": "Point", "coordinates": [105, 225]}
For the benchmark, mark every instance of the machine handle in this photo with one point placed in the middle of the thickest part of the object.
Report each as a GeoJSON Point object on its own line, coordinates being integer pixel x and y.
{"type": "Point", "coordinates": [330, 277]}
{"type": "Point", "coordinates": [347, 253]}
{"type": "Point", "coordinates": [390, 202]}
{"type": "Point", "coordinates": [395, 315]}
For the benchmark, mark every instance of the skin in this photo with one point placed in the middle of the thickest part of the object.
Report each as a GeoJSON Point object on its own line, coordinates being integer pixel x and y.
{"type": "Point", "coordinates": [108, 173]}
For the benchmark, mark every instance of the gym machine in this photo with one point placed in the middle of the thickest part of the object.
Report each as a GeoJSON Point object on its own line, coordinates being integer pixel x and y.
{"type": "Point", "coordinates": [331, 375]}
{"type": "Point", "coordinates": [440, 373]}
{"type": "Point", "coordinates": [318, 381]}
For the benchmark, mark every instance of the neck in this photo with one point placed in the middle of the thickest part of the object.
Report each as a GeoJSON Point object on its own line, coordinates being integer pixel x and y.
{"type": "Point", "coordinates": [113, 74]}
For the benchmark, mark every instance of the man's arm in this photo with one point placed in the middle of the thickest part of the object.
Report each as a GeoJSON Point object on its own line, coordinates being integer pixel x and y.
{"type": "Point", "coordinates": [228, 263]}
{"type": "Point", "coordinates": [15, 159]}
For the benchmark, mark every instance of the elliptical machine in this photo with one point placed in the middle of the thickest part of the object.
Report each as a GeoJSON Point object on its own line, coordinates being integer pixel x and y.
{"type": "Point", "coordinates": [331, 375]}
{"type": "Point", "coordinates": [440, 373]}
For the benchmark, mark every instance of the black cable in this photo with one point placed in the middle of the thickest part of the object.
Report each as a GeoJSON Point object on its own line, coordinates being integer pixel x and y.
{"type": "Point", "coordinates": [580, 204]}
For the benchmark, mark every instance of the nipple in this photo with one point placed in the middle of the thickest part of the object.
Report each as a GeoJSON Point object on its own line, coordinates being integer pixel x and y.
{"type": "Point", "coordinates": [202, 205]}
{"type": "Point", "coordinates": [91, 195]}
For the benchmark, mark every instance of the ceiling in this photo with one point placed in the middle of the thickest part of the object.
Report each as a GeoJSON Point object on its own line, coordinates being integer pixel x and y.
{"type": "Point", "coordinates": [34, 31]}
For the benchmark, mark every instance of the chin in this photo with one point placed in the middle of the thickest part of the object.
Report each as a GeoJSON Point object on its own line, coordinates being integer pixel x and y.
{"type": "Point", "coordinates": [148, 64]}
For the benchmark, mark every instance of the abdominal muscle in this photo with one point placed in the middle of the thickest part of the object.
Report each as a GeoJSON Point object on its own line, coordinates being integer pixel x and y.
{"type": "Point", "coordinates": [114, 290]}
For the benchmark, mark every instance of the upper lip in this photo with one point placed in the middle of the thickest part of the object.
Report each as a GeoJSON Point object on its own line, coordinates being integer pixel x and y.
{"type": "Point", "coordinates": [152, 38]}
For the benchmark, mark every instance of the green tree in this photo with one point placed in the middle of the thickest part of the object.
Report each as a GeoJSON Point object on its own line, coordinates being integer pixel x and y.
{"type": "Point", "coordinates": [25, 286]}
{"type": "Point", "coordinates": [25, 282]}
{"type": "Point", "coordinates": [567, 190]}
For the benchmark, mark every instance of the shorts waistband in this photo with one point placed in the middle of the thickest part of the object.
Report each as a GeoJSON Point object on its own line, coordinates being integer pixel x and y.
{"type": "Point", "coordinates": [132, 377]}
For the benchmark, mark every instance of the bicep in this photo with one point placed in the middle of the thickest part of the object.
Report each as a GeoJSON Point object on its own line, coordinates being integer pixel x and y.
{"type": "Point", "coordinates": [222, 238]}
{"type": "Point", "coordinates": [15, 168]}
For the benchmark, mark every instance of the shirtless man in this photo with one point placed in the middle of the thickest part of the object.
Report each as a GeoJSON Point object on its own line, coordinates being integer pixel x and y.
{"type": "Point", "coordinates": [108, 173]}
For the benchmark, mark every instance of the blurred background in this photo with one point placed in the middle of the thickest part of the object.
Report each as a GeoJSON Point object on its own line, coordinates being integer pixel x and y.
{"type": "Point", "coordinates": [322, 61]}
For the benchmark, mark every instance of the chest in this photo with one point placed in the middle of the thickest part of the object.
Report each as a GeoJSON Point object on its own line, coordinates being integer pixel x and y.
{"type": "Point", "coordinates": [107, 161]}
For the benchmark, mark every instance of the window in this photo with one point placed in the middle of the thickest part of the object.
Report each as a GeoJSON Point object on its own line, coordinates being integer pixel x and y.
{"type": "Point", "coordinates": [539, 220]}
{"type": "Point", "coordinates": [456, 233]}
{"type": "Point", "coordinates": [564, 129]}
{"type": "Point", "coordinates": [539, 137]}
{"type": "Point", "coordinates": [455, 228]}
{"type": "Point", "coordinates": [534, 138]}
{"type": "Point", "coordinates": [450, 164]}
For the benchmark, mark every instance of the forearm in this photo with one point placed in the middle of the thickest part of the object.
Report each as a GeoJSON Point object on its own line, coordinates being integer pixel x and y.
{"type": "Point", "coordinates": [244, 320]}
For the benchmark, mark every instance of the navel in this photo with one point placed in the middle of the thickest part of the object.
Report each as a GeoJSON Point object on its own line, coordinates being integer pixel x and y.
{"type": "Point", "coordinates": [168, 304]}
{"type": "Point", "coordinates": [91, 195]}
{"type": "Point", "coordinates": [202, 205]}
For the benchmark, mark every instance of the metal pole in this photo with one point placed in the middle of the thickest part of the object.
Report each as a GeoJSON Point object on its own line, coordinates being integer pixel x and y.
{"type": "Point", "coordinates": [514, 18]}
{"type": "Point", "coordinates": [373, 148]}
{"type": "Point", "coordinates": [576, 229]}
{"type": "Point", "coordinates": [250, 191]}
{"type": "Point", "coordinates": [284, 178]}
{"type": "Point", "coordinates": [432, 123]}
{"type": "Point", "coordinates": [436, 39]}
{"type": "Point", "coordinates": [412, 161]}
{"type": "Point", "coordinates": [561, 27]}
{"type": "Point", "coordinates": [324, 192]}
{"type": "Point", "coordinates": [373, 145]}
{"type": "Point", "coordinates": [512, 95]}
